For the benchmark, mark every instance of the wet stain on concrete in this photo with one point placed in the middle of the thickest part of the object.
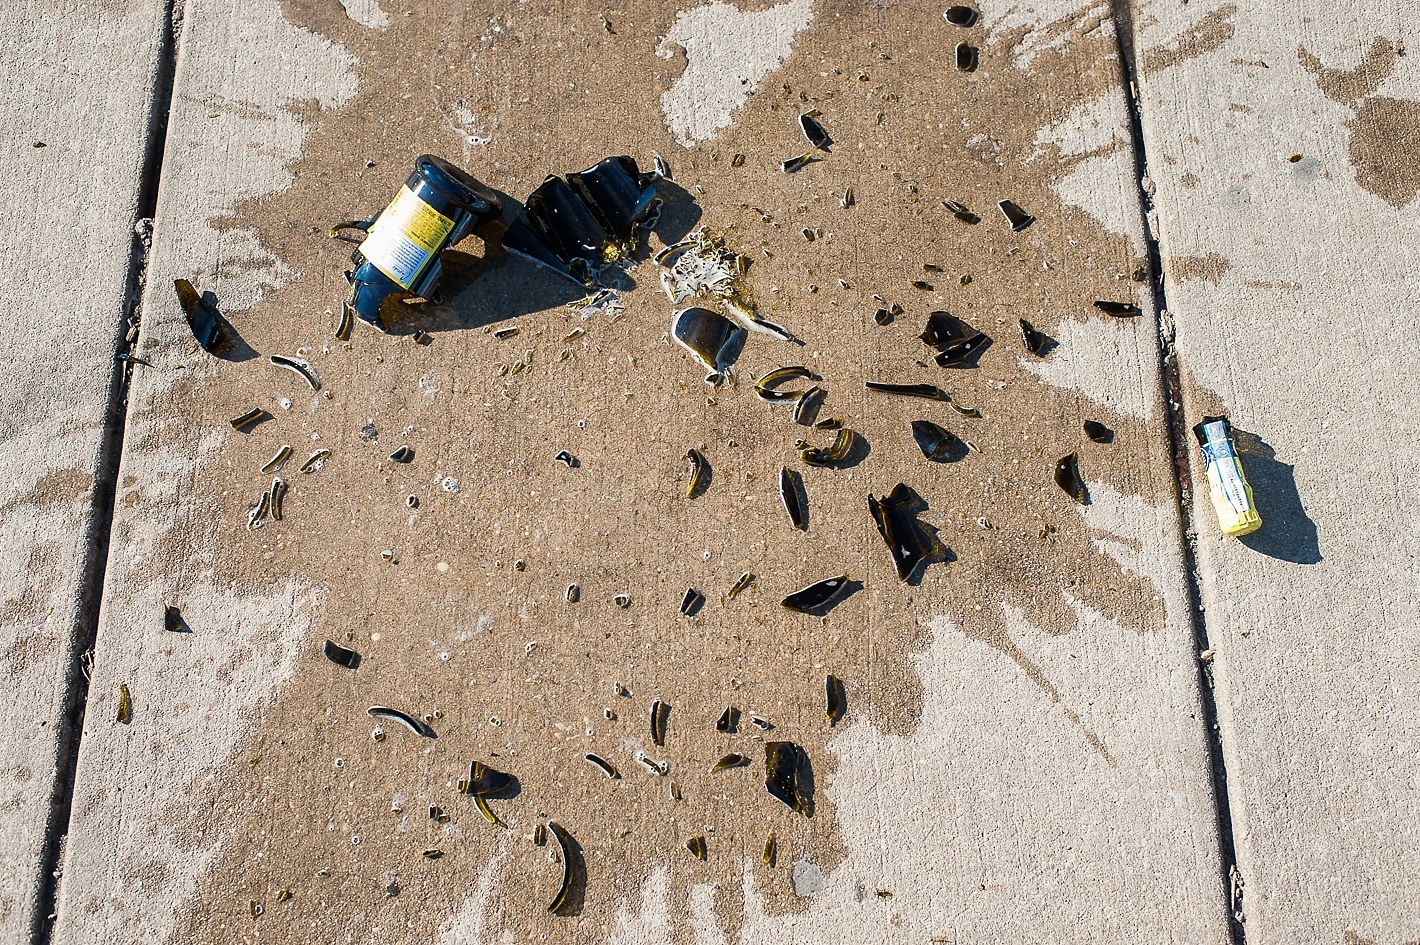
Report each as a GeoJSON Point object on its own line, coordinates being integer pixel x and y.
{"type": "Point", "coordinates": [521, 678]}
{"type": "Point", "coordinates": [1212, 267]}
{"type": "Point", "coordinates": [1385, 132]}
{"type": "Point", "coordinates": [1208, 34]}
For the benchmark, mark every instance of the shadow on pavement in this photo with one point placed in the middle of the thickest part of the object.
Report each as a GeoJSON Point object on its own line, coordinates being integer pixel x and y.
{"type": "Point", "coordinates": [1287, 532]}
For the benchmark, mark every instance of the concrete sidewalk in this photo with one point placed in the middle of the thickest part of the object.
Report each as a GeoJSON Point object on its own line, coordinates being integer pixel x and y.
{"type": "Point", "coordinates": [1086, 723]}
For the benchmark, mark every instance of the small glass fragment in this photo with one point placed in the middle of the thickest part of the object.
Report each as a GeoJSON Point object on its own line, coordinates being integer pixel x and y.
{"type": "Point", "coordinates": [565, 458]}
{"type": "Point", "coordinates": [275, 464]}
{"type": "Point", "coordinates": [738, 160]}
{"type": "Point", "coordinates": [795, 163]}
{"type": "Point", "coordinates": [960, 211]}
{"type": "Point", "coordinates": [602, 765]}
{"type": "Point", "coordinates": [125, 705]}
{"type": "Point", "coordinates": [744, 581]}
{"type": "Point", "coordinates": [696, 846]}
{"type": "Point", "coordinates": [256, 909]}
{"type": "Point", "coordinates": [709, 336]}
{"type": "Point", "coordinates": [729, 721]}
{"type": "Point", "coordinates": [699, 471]}
{"type": "Point", "coordinates": [172, 619]}
{"type": "Point", "coordinates": [925, 391]}
{"type": "Point", "coordinates": [251, 418]}
{"type": "Point", "coordinates": [965, 57]}
{"type": "Point", "coordinates": [806, 403]}
{"type": "Point", "coordinates": [960, 15]}
{"type": "Point", "coordinates": [508, 332]}
{"type": "Point", "coordinates": [814, 133]}
{"type": "Point", "coordinates": [539, 836]}
{"type": "Point", "coordinates": [1119, 309]}
{"type": "Point", "coordinates": [1067, 477]}
{"type": "Point", "coordinates": [340, 655]}
{"type": "Point", "coordinates": [394, 715]}
{"type": "Point", "coordinates": [256, 517]}
{"type": "Point", "coordinates": [564, 840]}
{"type": "Point", "coordinates": [789, 493]}
{"type": "Point", "coordinates": [961, 351]}
{"type": "Point", "coordinates": [770, 849]}
{"type": "Point", "coordinates": [574, 593]}
{"type": "Point", "coordinates": [1098, 432]}
{"type": "Point", "coordinates": [303, 368]}
{"type": "Point", "coordinates": [660, 712]}
{"type": "Point", "coordinates": [816, 595]}
{"type": "Point", "coordinates": [922, 284]}
{"type": "Point", "coordinates": [883, 316]}
{"type": "Point", "coordinates": [836, 453]}
{"type": "Point", "coordinates": [674, 790]}
{"type": "Point", "coordinates": [691, 600]}
{"type": "Point", "coordinates": [836, 699]}
{"type": "Point", "coordinates": [932, 440]}
{"type": "Point", "coordinates": [1033, 340]}
{"type": "Point", "coordinates": [732, 760]}
{"type": "Point", "coordinates": [969, 412]}
{"type": "Point", "coordinates": [943, 328]}
{"type": "Point", "coordinates": [784, 776]}
{"type": "Point", "coordinates": [1015, 216]}
{"type": "Point", "coordinates": [622, 600]}
{"type": "Point", "coordinates": [760, 722]}
{"type": "Point", "coordinates": [201, 317]}
{"type": "Point", "coordinates": [402, 455]}
{"type": "Point", "coordinates": [315, 461]}
{"type": "Point", "coordinates": [846, 200]}
{"type": "Point", "coordinates": [283, 896]}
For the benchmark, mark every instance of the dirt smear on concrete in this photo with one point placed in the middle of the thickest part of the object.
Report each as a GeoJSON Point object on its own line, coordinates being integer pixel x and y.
{"type": "Point", "coordinates": [509, 671]}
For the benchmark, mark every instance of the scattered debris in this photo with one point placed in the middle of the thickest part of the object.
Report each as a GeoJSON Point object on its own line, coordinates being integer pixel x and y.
{"type": "Point", "coordinates": [729, 721]}
{"type": "Point", "coordinates": [699, 472]}
{"type": "Point", "coordinates": [691, 601]}
{"type": "Point", "coordinates": [960, 211]}
{"type": "Point", "coordinates": [316, 461]}
{"type": "Point", "coordinates": [789, 493]}
{"type": "Point", "coordinates": [711, 337]}
{"type": "Point", "coordinates": [275, 464]}
{"type": "Point", "coordinates": [770, 849]}
{"type": "Point", "coordinates": [340, 655]}
{"type": "Point", "coordinates": [125, 705]}
{"type": "Point", "coordinates": [966, 57]}
{"type": "Point", "coordinates": [795, 163]}
{"type": "Point", "coordinates": [402, 455]}
{"type": "Point", "coordinates": [732, 760]}
{"type": "Point", "coordinates": [842, 446]}
{"type": "Point", "coordinates": [814, 132]}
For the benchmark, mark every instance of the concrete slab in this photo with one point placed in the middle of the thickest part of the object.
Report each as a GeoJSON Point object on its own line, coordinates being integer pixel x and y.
{"type": "Point", "coordinates": [79, 83]}
{"type": "Point", "coordinates": [1281, 142]}
{"type": "Point", "coordinates": [1022, 753]}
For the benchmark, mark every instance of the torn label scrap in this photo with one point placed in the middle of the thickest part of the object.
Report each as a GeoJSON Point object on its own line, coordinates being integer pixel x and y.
{"type": "Point", "coordinates": [436, 207]}
{"type": "Point", "coordinates": [589, 222]}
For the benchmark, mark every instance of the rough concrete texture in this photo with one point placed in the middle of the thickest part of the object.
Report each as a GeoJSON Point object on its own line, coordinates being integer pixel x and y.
{"type": "Point", "coordinates": [75, 121]}
{"type": "Point", "coordinates": [1022, 755]}
{"type": "Point", "coordinates": [1281, 140]}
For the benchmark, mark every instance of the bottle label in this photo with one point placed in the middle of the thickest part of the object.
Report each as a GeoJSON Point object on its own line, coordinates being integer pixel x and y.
{"type": "Point", "coordinates": [1223, 466]}
{"type": "Point", "coordinates": [405, 237]}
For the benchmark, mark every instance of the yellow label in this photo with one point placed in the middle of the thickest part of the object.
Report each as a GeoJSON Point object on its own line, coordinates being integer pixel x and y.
{"type": "Point", "coordinates": [405, 237]}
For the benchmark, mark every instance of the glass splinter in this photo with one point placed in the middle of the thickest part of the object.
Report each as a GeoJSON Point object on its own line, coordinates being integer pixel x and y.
{"type": "Point", "coordinates": [1032, 339]}
{"type": "Point", "coordinates": [960, 16]}
{"type": "Point", "coordinates": [602, 765]}
{"type": "Point", "coordinates": [732, 760]}
{"type": "Point", "coordinates": [707, 335]}
{"type": "Point", "coordinates": [1067, 477]}
{"type": "Point", "coordinates": [696, 846]}
{"type": "Point", "coordinates": [808, 599]}
{"type": "Point", "coordinates": [698, 471]}
{"type": "Point", "coordinates": [932, 440]}
{"type": "Point", "coordinates": [276, 462]}
{"type": "Point", "coordinates": [659, 713]}
{"type": "Point", "coordinates": [201, 317]}
{"type": "Point", "coordinates": [1015, 216]}
{"type": "Point", "coordinates": [794, 163]}
{"type": "Point", "coordinates": [249, 419]}
{"type": "Point", "coordinates": [1098, 432]}
{"type": "Point", "coordinates": [883, 316]}
{"type": "Point", "coordinates": [745, 580]}
{"type": "Point", "coordinates": [769, 849]}
{"type": "Point", "coordinates": [814, 132]}
{"type": "Point", "coordinates": [965, 57]}
{"type": "Point", "coordinates": [340, 655]}
{"type": "Point", "coordinates": [836, 453]}
{"type": "Point", "coordinates": [959, 352]}
{"type": "Point", "coordinates": [690, 600]}
{"type": "Point", "coordinates": [564, 843]}
{"type": "Point", "coordinates": [728, 721]}
{"type": "Point", "coordinates": [402, 455]}
{"type": "Point", "coordinates": [303, 368]}
{"type": "Point", "coordinates": [960, 211]}
{"type": "Point", "coordinates": [394, 715]}
{"type": "Point", "coordinates": [835, 699]}
{"type": "Point", "coordinates": [942, 329]}
{"type": "Point", "coordinates": [790, 495]}
{"type": "Point", "coordinates": [1119, 309]}
{"type": "Point", "coordinates": [906, 541]}
{"type": "Point", "coordinates": [926, 391]}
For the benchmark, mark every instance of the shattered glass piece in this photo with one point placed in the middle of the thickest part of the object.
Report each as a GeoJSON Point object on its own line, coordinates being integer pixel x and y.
{"type": "Point", "coordinates": [808, 599]}
{"type": "Point", "coordinates": [789, 493]}
{"type": "Point", "coordinates": [303, 368]}
{"type": "Point", "coordinates": [960, 211]}
{"type": "Point", "coordinates": [708, 335]}
{"type": "Point", "coordinates": [784, 776]}
{"type": "Point", "coordinates": [564, 843]}
{"type": "Point", "coordinates": [965, 57]}
{"type": "Point", "coordinates": [402, 455]}
{"type": "Point", "coordinates": [835, 699]}
{"type": "Point", "coordinates": [795, 163]}
{"type": "Point", "coordinates": [660, 712]}
{"type": "Point", "coordinates": [699, 470]}
{"type": "Point", "coordinates": [341, 656]}
{"type": "Point", "coordinates": [1067, 477]}
{"type": "Point", "coordinates": [959, 15]}
{"type": "Point", "coordinates": [1015, 216]}
{"type": "Point", "coordinates": [201, 317]}
{"type": "Point", "coordinates": [696, 846]}
{"type": "Point", "coordinates": [617, 194]}
{"type": "Point", "coordinates": [960, 352]}
{"type": "Point", "coordinates": [729, 721]}
{"type": "Point", "coordinates": [1098, 432]}
{"type": "Point", "coordinates": [836, 453]}
{"type": "Point", "coordinates": [733, 760]}
{"type": "Point", "coordinates": [926, 391]}
{"type": "Point", "coordinates": [814, 132]}
{"type": "Point", "coordinates": [943, 328]}
{"type": "Point", "coordinates": [932, 440]}
{"type": "Point", "coordinates": [251, 418]}
{"type": "Point", "coordinates": [1033, 340]}
{"type": "Point", "coordinates": [906, 541]}
{"type": "Point", "coordinates": [1119, 309]}
{"type": "Point", "coordinates": [565, 223]}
